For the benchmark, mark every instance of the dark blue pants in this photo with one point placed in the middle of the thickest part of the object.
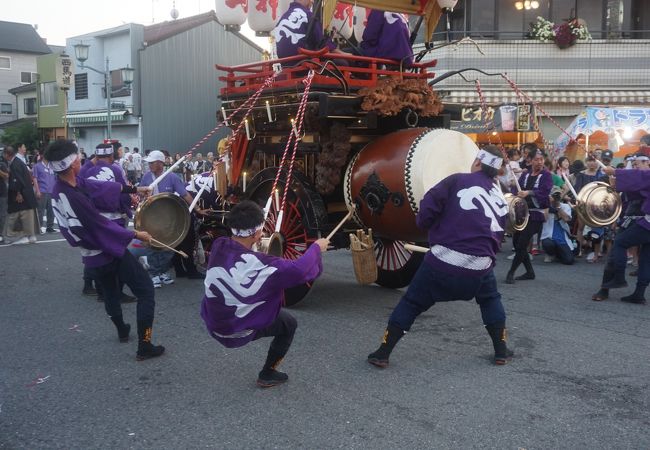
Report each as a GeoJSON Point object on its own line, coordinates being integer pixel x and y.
{"type": "Point", "coordinates": [561, 251]}
{"type": "Point", "coordinates": [128, 270]}
{"type": "Point", "coordinates": [430, 286]}
{"type": "Point", "coordinates": [630, 237]}
{"type": "Point", "coordinates": [282, 330]}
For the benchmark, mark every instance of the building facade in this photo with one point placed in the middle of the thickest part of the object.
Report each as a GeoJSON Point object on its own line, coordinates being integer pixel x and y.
{"type": "Point", "coordinates": [109, 51]}
{"type": "Point", "coordinates": [609, 69]}
{"type": "Point", "coordinates": [20, 45]}
{"type": "Point", "coordinates": [180, 83]}
{"type": "Point", "coordinates": [51, 100]}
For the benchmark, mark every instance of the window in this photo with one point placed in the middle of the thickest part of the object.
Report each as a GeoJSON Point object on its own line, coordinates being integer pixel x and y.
{"type": "Point", "coordinates": [119, 89]}
{"type": "Point", "coordinates": [5, 62]}
{"type": "Point", "coordinates": [29, 106]}
{"type": "Point", "coordinates": [80, 86]}
{"type": "Point", "coordinates": [28, 77]}
{"type": "Point", "coordinates": [6, 109]}
{"type": "Point", "coordinates": [49, 93]}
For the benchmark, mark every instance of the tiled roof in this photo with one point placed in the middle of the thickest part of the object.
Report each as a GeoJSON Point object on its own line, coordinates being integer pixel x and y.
{"type": "Point", "coordinates": [21, 37]}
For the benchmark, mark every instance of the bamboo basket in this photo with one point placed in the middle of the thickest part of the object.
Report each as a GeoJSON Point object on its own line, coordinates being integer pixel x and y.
{"type": "Point", "coordinates": [363, 257]}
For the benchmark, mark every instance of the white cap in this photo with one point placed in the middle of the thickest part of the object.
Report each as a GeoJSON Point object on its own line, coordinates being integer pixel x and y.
{"type": "Point", "coordinates": [155, 155]}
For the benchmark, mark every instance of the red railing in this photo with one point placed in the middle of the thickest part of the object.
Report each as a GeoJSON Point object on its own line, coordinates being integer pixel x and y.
{"type": "Point", "coordinates": [358, 71]}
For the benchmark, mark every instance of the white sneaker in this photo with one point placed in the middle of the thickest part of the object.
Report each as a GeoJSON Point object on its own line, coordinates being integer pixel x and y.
{"type": "Point", "coordinates": [21, 241]}
{"type": "Point", "coordinates": [2, 239]}
{"type": "Point", "coordinates": [33, 240]}
{"type": "Point", "coordinates": [549, 259]}
{"type": "Point", "coordinates": [511, 257]}
{"type": "Point", "coordinates": [166, 279]}
{"type": "Point", "coordinates": [156, 282]}
{"type": "Point", "coordinates": [145, 263]}
{"type": "Point", "coordinates": [591, 256]}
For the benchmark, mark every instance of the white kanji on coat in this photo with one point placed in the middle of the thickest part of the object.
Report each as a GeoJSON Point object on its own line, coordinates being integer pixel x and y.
{"type": "Point", "coordinates": [492, 203]}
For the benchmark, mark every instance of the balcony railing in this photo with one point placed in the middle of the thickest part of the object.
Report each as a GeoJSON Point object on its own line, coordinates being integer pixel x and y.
{"type": "Point", "coordinates": [593, 64]}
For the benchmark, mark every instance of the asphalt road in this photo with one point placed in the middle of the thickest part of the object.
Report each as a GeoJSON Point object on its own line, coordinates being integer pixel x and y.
{"type": "Point", "coordinates": [579, 380]}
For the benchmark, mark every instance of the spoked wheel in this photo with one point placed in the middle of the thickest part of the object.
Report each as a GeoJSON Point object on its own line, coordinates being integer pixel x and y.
{"type": "Point", "coordinates": [396, 265]}
{"type": "Point", "coordinates": [302, 211]}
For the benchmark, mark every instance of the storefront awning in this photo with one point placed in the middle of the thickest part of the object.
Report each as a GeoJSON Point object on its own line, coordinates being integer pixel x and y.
{"type": "Point", "coordinates": [562, 97]}
{"type": "Point", "coordinates": [95, 117]}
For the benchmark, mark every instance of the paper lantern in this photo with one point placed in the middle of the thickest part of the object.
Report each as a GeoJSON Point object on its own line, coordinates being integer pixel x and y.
{"type": "Point", "coordinates": [231, 13]}
{"type": "Point", "coordinates": [447, 4]}
{"type": "Point", "coordinates": [263, 15]}
{"type": "Point", "coordinates": [360, 21]}
{"type": "Point", "coordinates": [343, 20]}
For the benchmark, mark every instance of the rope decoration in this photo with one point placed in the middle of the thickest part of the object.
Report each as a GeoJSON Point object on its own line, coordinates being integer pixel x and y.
{"type": "Point", "coordinates": [293, 137]}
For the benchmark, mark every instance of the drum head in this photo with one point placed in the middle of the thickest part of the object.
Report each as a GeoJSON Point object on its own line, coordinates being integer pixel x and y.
{"type": "Point", "coordinates": [165, 217]}
{"type": "Point", "coordinates": [601, 204]}
{"type": "Point", "coordinates": [436, 154]}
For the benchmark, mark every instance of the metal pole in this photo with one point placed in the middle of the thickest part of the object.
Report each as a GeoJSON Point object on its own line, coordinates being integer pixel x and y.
{"type": "Point", "coordinates": [107, 85]}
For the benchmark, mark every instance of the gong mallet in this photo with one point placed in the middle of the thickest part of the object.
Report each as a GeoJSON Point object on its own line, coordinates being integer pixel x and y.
{"type": "Point", "coordinates": [162, 244]}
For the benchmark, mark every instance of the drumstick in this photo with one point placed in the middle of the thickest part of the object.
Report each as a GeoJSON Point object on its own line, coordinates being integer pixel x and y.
{"type": "Point", "coordinates": [162, 244]}
{"type": "Point", "coordinates": [345, 219]}
{"type": "Point", "coordinates": [566, 180]}
{"type": "Point", "coordinates": [198, 197]}
{"type": "Point", "coordinates": [416, 248]}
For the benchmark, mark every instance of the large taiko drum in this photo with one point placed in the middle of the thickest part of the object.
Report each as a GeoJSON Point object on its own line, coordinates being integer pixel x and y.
{"type": "Point", "coordinates": [165, 217]}
{"type": "Point", "coordinates": [387, 179]}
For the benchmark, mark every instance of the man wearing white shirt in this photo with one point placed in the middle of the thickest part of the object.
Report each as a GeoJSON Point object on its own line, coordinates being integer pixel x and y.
{"type": "Point", "coordinates": [137, 163]}
{"type": "Point", "coordinates": [556, 239]}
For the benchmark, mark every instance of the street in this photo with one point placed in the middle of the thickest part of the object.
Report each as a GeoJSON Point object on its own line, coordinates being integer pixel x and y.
{"type": "Point", "coordinates": [579, 379]}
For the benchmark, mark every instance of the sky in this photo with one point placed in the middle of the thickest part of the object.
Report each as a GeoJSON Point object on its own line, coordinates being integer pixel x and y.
{"type": "Point", "coordinates": [59, 19]}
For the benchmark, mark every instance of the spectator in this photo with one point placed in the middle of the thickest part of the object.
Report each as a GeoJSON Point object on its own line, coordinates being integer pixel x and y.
{"type": "Point", "coordinates": [179, 170]}
{"type": "Point", "coordinates": [45, 178]}
{"type": "Point", "coordinates": [22, 154]}
{"type": "Point", "coordinates": [4, 177]}
{"type": "Point", "coordinates": [607, 157]}
{"type": "Point", "coordinates": [576, 166]}
{"type": "Point", "coordinates": [21, 200]}
{"type": "Point", "coordinates": [556, 239]}
{"type": "Point", "coordinates": [562, 167]}
{"type": "Point", "coordinates": [137, 164]}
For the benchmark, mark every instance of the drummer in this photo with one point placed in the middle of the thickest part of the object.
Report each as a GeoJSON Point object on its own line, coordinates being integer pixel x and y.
{"type": "Point", "coordinates": [244, 290]}
{"type": "Point", "coordinates": [465, 215]}
{"type": "Point", "coordinates": [102, 242]}
{"type": "Point", "coordinates": [172, 184]}
{"type": "Point", "coordinates": [206, 183]}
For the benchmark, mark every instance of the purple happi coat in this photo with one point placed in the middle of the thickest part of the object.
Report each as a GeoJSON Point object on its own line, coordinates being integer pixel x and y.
{"type": "Point", "coordinates": [465, 215]}
{"type": "Point", "coordinates": [387, 36]}
{"type": "Point", "coordinates": [104, 171]}
{"type": "Point", "coordinates": [244, 289]}
{"type": "Point", "coordinates": [99, 239]}
{"type": "Point", "coordinates": [636, 181]}
{"type": "Point", "coordinates": [541, 186]}
{"type": "Point", "coordinates": [290, 33]}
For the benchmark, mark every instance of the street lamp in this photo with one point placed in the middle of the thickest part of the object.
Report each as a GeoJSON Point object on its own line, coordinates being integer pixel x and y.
{"type": "Point", "coordinates": [81, 53]}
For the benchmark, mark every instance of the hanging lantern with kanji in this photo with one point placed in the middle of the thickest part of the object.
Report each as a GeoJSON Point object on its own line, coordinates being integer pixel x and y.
{"type": "Point", "coordinates": [360, 21]}
{"type": "Point", "coordinates": [263, 15]}
{"type": "Point", "coordinates": [342, 20]}
{"type": "Point", "coordinates": [231, 13]}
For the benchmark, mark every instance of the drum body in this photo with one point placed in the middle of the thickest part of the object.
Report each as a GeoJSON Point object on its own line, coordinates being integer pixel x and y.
{"type": "Point", "coordinates": [165, 217]}
{"type": "Point", "coordinates": [388, 178]}
{"type": "Point", "coordinates": [598, 204]}
{"type": "Point", "coordinates": [517, 213]}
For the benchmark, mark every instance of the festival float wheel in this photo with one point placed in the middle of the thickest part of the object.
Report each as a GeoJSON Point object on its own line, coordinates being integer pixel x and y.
{"type": "Point", "coordinates": [303, 213]}
{"type": "Point", "coordinates": [396, 265]}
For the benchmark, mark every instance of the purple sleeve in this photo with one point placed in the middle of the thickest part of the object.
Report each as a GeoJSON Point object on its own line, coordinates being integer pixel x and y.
{"type": "Point", "coordinates": [632, 180]}
{"type": "Point", "coordinates": [372, 32]}
{"type": "Point", "coordinates": [433, 203]}
{"type": "Point", "coordinates": [317, 36]}
{"type": "Point", "coordinates": [296, 272]}
{"type": "Point", "coordinates": [97, 231]}
{"type": "Point", "coordinates": [179, 186]}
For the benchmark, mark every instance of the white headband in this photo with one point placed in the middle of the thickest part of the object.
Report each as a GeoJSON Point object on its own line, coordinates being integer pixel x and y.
{"type": "Point", "coordinates": [60, 166]}
{"type": "Point", "coordinates": [489, 159]}
{"type": "Point", "coordinates": [104, 151]}
{"type": "Point", "coordinates": [246, 233]}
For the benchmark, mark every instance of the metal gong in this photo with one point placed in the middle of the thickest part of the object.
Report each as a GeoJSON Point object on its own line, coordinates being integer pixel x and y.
{"type": "Point", "coordinates": [598, 204]}
{"type": "Point", "coordinates": [517, 213]}
{"type": "Point", "coordinates": [165, 217]}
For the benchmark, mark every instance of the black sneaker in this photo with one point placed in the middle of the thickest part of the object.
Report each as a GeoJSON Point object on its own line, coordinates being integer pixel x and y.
{"type": "Point", "coordinates": [503, 358]}
{"type": "Point", "coordinates": [123, 335]}
{"type": "Point", "coordinates": [633, 299]}
{"type": "Point", "coordinates": [147, 350]}
{"type": "Point", "coordinates": [270, 378]}
{"type": "Point", "coordinates": [378, 360]}
{"type": "Point", "coordinates": [91, 291]}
